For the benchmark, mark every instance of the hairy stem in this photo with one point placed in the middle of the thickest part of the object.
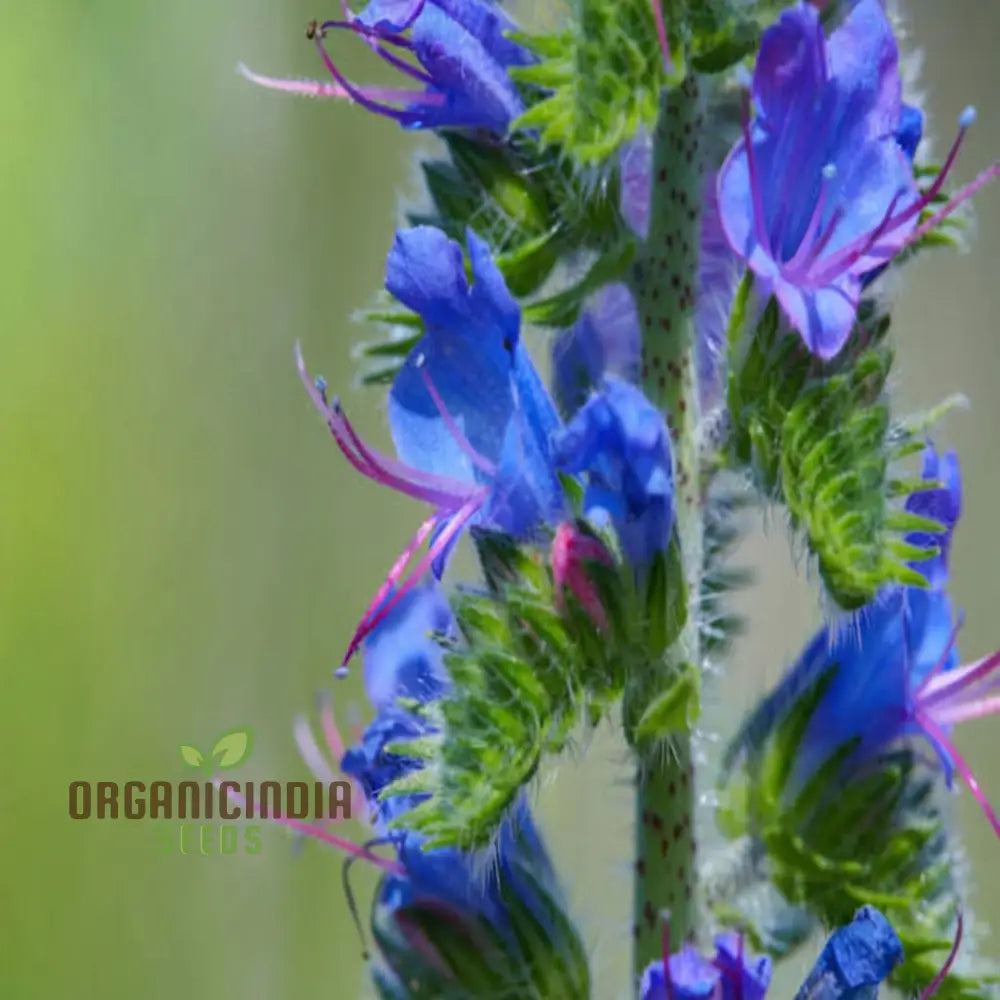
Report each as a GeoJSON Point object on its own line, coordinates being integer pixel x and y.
{"type": "Point", "coordinates": [665, 285]}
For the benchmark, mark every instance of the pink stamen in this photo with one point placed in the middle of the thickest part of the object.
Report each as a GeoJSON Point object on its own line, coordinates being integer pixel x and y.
{"type": "Point", "coordinates": [322, 88]}
{"type": "Point", "coordinates": [396, 570]}
{"type": "Point", "coordinates": [439, 491]}
{"type": "Point", "coordinates": [943, 745]}
{"type": "Point", "coordinates": [374, 41]}
{"type": "Point", "coordinates": [318, 833]}
{"type": "Point", "coordinates": [940, 687]}
{"type": "Point", "coordinates": [864, 246]}
{"type": "Point", "coordinates": [479, 461]}
{"type": "Point", "coordinates": [806, 247]}
{"type": "Point", "coordinates": [959, 198]}
{"type": "Point", "coordinates": [952, 715]}
{"type": "Point", "coordinates": [310, 751]}
{"type": "Point", "coordinates": [375, 614]}
{"type": "Point", "coordinates": [308, 88]}
{"type": "Point", "coordinates": [331, 733]}
{"type": "Point", "coordinates": [661, 33]}
{"type": "Point", "coordinates": [848, 255]}
{"type": "Point", "coordinates": [360, 95]}
{"type": "Point", "coordinates": [667, 977]}
{"type": "Point", "coordinates": [949, 962]}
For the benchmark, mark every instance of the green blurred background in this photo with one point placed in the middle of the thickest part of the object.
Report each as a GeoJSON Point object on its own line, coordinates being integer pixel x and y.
{"type": "Point", "coordinates": [183, 550]}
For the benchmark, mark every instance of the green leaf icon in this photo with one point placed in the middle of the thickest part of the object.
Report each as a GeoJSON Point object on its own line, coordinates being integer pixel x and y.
{"type": "Point", "coordinates": [232, 748]}
{"type": "Point", "coordinates": [192, 756]}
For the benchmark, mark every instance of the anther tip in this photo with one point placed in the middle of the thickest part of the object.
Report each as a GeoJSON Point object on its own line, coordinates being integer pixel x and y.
{"type": "Point", "coordinates": [320, 384]}
{"type": "Point", "coordinates": [829, 171]}
{"type": "Point", "coordinates": [341, 672]}
{"type": "Point", "coordinates": [967, 118]}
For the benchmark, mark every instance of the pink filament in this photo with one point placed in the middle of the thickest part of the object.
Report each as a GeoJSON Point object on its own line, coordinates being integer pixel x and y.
{"type": "Point", "coordinates": [318, 833]}
{"type": "Point", "coordinates": [661, 33]}
{"type": "Point", "coordinates": [963, 693]}
{"type": "Point", "coordinates": [439, 491]}
{"type": "Point", "coordinates": [942, 686]}
{"type": "Point", "coordinates": [864, 245]}
{"type": "Point", "coordinates": [319, 88]}
{"type": "Point", "coordinates": [361, 95]}
{"type": "Point", "coordinates": [667, 978]}
{"type": "Point", "coordinates": [396, 570]}
{"type": "Point", "coordinates": [960, 198]}
{"type": "Point", "coordinates": [949, 962]}
{"type": "Point", "coordinates": [377, 611]}
{"type": "Point", "coordinates": [940, 738]}
{"type": "Point", "coordinates": [479, 461]}
{"type": "Point", "coordinates": [310, 751]}
{"type": "Point", "coordinates": [806, 266]}
{"type": "Point", "coordinates": [330, 731]}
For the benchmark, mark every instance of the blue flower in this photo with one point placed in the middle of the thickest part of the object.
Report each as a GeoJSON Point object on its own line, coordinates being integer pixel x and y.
{"type": "Point", "coordinates": [733, 974]}
{"type": "Point", "coordinates": [398, 653]}
{"type": "Point", "coordinates": [820, 191]}
{"type": "Point", "coordinates": [620, 441]}
{"type": "Point", "coordinates": [896, 657]}
{"type": "Point", "coordinates": [463, 55]}
{"type": "Point", "coordinates": [402, 659]}
{"type": "Point", "coordinates": [470, 418]}
{"type": "Point", "coordinates": [603, 341]}
{"type": "Point", "coordinates": [942, 504]}
{"type": "Point", "coordinates": [744, 977]}
{"type": "Point", "coordinates": [856, 960]}
{"type": "Point", "coordinates": [469, 404]}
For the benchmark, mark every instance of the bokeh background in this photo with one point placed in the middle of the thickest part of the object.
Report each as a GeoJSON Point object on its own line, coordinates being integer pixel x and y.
{"type": "Point", "coordinates": [182, 549]}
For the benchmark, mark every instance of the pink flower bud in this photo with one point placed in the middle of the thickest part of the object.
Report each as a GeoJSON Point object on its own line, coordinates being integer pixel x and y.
{"type": "Point", "coordinates": [572, 550]}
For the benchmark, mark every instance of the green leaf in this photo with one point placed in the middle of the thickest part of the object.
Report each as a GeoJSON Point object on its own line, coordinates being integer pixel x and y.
{"type": "Point", "coordinates": [192, 756]}
{"type": "Point", "coordinates": [673, 712]}
{"type": "Point", "coordinates": [232, 748]}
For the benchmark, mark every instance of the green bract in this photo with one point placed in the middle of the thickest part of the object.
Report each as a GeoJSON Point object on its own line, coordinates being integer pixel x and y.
{"type": "Point", "coordinates": [879, 838]}
{"type": "Point", "coordinates": [819, 438]}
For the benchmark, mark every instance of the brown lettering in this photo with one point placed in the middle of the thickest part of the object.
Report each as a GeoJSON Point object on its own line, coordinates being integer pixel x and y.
{"type": "Point", "coordinates": [134, 808]}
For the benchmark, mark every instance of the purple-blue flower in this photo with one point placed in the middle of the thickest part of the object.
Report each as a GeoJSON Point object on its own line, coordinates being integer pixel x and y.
{"type": "Point", "coordinates": [732, 974]}
{"type": "Point", "coordinates": [603, 341]}
{"type": "Point", "coordinates": [404, 660]}
{"type": "Point", "coordinates": [856, 960]}
{"type": "Point", "coordinates": [942, 504]}
{"type": "Point", "coordinates": [399, 663]}
{"type": "Point", "coordinates": [743, 976]}
{"type": "Point", "coordinates": [619, 441]}
{"type": "Point", "coordinates": [820, 191]}
{"type": "Point", "coordinates": [460, 78]}
{"type": "Point", "coordinates": [895, 668]}
{"type": "Point", "coordinates": [471, 421]}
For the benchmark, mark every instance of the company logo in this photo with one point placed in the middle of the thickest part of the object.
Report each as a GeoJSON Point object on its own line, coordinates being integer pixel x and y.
{"type": "Point", "coordinates": [212, 815]}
